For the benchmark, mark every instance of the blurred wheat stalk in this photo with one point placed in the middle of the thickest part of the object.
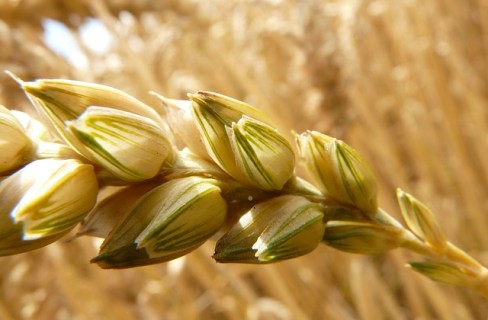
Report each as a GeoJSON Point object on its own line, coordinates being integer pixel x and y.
{"type": "Point", "coordinates": [404, 83]}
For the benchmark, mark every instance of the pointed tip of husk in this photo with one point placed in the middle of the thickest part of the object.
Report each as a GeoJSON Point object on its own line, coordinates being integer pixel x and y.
{"type": "Point", "coordinates": [15, 78]}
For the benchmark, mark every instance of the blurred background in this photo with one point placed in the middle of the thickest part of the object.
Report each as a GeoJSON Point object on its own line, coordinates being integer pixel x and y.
{"type": "Point", "coordinates": [404, 82]}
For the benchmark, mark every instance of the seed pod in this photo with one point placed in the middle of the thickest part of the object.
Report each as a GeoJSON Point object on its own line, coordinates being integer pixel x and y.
{"type": "Point", "coordinates": [167, 222]}
{"type": "Point", "coordinates": [362, 237]}
{"type": "Point", "coordinates": [281, 228]}
{"type": "Point", "coordinates": [240, 140]}
{"type": "Point", "coordinates": [421, 221]}
{"type": "Point", "coordinates": [448, 273]}
{"type": "Point", "coordinates": [64, 100]}
{"type": "Point", "coordinates": [129, 146]}
{"type": "Point", "coordinates": [42, 201]}
{"type": "Point", "coordinates": [261, 153]}
{"type": "Point", "coordinates": [15, 145]}
{"type": "Point", "coordinates": [339, 171]}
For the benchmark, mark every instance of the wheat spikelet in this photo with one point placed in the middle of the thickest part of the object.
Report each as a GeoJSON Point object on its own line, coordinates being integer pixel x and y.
{"type": "Point", "coordinates": [406, 91]}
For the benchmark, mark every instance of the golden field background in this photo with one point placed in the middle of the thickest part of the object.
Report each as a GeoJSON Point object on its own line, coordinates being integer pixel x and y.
{"type": "Point", "coordinates": [405, 82]}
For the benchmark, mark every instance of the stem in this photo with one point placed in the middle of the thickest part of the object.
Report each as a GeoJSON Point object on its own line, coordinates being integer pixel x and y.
{"type": "Point", "coordinates": [449, 254]}
{"type": "Point", "coordinates": [482, 286]}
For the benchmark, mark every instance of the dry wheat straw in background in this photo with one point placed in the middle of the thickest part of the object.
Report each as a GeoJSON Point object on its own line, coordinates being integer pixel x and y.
{"type": "Point", "coordinates": [404, 84]}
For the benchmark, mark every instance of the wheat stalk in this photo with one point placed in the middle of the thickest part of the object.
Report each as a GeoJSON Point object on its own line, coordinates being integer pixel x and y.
{"type": "Point", "coordinates": [225, 168]}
